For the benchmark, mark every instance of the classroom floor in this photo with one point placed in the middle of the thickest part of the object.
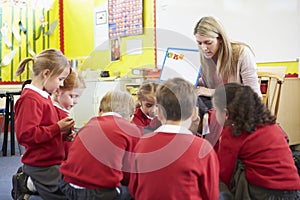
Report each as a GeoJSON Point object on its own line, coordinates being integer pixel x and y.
{"type": "Point", "coordinates": [8, 166]}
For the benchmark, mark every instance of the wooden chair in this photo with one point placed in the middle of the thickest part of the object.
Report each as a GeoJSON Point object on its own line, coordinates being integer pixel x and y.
{"type": "Point", "coordinates": [270, 86]}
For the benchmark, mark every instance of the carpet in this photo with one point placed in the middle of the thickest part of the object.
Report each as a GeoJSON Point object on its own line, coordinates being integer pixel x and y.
{"type": "Point", "coordinates": [8, 166]}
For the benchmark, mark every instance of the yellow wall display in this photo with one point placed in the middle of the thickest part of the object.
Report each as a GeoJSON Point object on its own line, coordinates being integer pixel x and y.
{"type": "Point", "coordinates": [292, 67]}
{"type": "Point", "coordinates": [32, 26]}
{"type": "Point", "coordinates": [101, 59]}
{"type": "Point", "coordinates": [79, 38]}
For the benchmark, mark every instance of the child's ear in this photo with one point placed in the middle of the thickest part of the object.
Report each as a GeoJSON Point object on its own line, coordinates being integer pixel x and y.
{"type": "Point", "coordinates": [100, 111]}
{"type": "Point", "coordinates": [226, 113]}
{"type": "Point", "coordinates": [46, 73]}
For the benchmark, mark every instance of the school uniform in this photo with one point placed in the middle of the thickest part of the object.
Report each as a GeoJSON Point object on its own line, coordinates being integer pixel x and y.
{"type": "Point", "coordinates": [266, 155]}
{"type": "Point", "coordinates": [172, 163]}
{"type": "Point", "coordinates": [37, 129]}
{"type": "Point", "coordinates": [140, 119]}
{"type": "Point", "coordinates": [63, 113]}
{"type": "Point", "coordinates": [100, 157]}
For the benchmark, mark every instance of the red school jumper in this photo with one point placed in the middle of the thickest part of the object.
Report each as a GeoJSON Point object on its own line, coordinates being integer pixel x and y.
{"type": "Point", "coordinates": [99, 152]}
{"type": "Point", "coordinates": [36, 128]}
{"type": "Point", "coordinates": [63, 113]}
{"type": "Point", "coordinates": [174, 164]}
{"type": "Point", "coordinates": [140, 119]}
{"type": "Point", "coordinates": [266, 154]}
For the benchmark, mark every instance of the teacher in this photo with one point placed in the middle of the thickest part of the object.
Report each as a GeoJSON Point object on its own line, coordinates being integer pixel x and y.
{"type": "Point", "coordinates": [222, 61]}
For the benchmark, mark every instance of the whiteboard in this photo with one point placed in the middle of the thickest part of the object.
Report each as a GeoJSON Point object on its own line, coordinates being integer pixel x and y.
{"type": "Point", "coordinates": [270, 27]}
{"type": "Point", "coordinates": [183, 63]}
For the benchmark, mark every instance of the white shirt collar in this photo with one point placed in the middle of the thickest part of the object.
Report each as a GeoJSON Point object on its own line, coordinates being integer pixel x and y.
{"type": "Point", "coordinates": [111, 113]}
{"type": "Point", "coordinates": [41, 92]}
{"type": "Point", "coordinates": [167, 128]}
{"type": "Point", "coordinates": [60, 107]}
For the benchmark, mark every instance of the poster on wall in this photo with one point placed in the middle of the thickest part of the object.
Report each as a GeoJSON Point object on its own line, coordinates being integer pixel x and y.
{"type": "Point", "coordinates": [101, 39]}
{"type": "Point", "coordinates": [125, 17]}
{"type": "Point", "coordinates": [115, 49]}
{"type": "Point", "coordinates": [101, 17]}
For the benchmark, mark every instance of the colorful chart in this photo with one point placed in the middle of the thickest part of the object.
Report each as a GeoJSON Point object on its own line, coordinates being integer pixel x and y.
{"type": "Point", "coordinates": [125, 17]}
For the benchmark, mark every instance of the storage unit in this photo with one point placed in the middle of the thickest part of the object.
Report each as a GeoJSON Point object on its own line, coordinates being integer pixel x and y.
{"type": "Point", "coordinates": [289, 109]}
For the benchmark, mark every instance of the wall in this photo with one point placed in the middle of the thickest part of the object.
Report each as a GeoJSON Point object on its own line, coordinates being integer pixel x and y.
{"type": "Point", "coordinates": [100, 59]}
{"type": "Point", "coordinates": [270, 27]}
{"type": "Point", "coordinates": [78, 38]}
{"type": "Point", "coordinates": [30, 18]}
{"type": "Point", "coordinates": [292, 67]}
{"type": "Point", "coordinates": [79, 26]}
{"type": "Point", "coordinates": [279, 37]}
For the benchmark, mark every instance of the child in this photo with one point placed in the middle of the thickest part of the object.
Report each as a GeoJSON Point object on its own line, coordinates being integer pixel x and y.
{"type": "Point", "coordinates": [65, 98]}
{"type": "Point", "coordinates": [100, 153]}
{"type": "Point", "coordinates": [146, 109]}
{"type": "Point", "coordinates": [145, 113]}
{"type": "Point", "coordinates": [172, 163]}
{"type": "Point", "coordinates": [37, 125]}
{"type": "Point", "coordinates": [253, 142]}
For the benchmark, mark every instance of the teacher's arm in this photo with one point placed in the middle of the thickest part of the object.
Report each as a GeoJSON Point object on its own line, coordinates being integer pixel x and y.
{"type": "Point", "coordinates": [248, 67]}
{"type": "Point", "coordinates": [204, 91]}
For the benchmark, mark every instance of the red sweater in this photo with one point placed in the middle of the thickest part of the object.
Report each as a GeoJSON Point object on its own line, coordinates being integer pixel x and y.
{"type": "Point", "coordinates": [174, 166]}
{"type": "Point", "coordinates": [36, 129]}
{"type": "Point", "coordinates": [266, 154]}
{"type": "Point", "coordinates": [100, 152]}
{"type": "Point", "coordinates": [62, 113]}
{"type": "Point", "coordinates": [140, 119]}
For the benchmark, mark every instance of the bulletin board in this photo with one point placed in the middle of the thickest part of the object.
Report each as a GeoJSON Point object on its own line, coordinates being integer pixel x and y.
{"type": "Point", "coordinates": [125, 17]}
{"type": "Point", "coordinates": [184, 63]}
{"type": "Point", "coordinates": [270, 27]}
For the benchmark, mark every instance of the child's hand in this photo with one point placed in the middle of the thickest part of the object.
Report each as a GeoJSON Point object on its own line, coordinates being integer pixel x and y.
{"type": "Point", "coordinates": [70, 136]}
{"type": "Point", "coordinates": [65, 124]}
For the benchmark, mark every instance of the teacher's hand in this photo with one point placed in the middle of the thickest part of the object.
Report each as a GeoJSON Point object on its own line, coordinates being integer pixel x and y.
{"type": "Point", "coordinates": [203, 91]}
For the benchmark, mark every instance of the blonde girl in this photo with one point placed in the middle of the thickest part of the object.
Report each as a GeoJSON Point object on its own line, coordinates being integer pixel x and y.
{"type": "Point", "coordinates": [37, 125]}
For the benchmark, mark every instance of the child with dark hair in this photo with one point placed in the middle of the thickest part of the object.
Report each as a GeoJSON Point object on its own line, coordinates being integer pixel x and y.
{"type": "Point", "coordinates": [255, 159]}
{"type": "Point", "coordinates": [172, 163]}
